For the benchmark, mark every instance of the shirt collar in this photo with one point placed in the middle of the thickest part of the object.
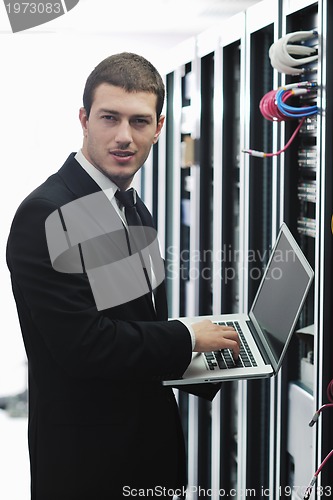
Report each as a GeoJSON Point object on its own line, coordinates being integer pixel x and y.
{"type": "Point", "coordinates": [106, 185]}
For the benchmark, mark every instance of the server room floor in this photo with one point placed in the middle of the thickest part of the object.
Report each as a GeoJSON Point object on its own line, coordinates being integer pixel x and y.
{"type": "Point", "coordinates": [14, 459]}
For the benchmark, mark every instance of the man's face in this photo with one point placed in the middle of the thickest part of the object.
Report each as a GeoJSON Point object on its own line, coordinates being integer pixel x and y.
{"type": "Point", "coordinates": [120, 131]}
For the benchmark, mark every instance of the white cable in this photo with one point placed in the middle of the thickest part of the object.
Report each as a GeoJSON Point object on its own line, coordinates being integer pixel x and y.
{"type": "Point", "coordinates": [281, 53]}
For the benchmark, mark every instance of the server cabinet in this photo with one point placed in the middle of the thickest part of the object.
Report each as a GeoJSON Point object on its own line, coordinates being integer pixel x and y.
{"type": "Point", "coordinates": [188, 264]}
{"type": "Point", "coordinates": [299, 166]}
{"type": "Point", "coordinates": [229, 75]}
{"type": "Point", "coordinates": [308, 208]}
{"type": "Point", "coordinates": [260, 228]}
{"type": "Point", "coordinates": [324, 372]}
{"type": "Point", "coordinates": [218, 213]}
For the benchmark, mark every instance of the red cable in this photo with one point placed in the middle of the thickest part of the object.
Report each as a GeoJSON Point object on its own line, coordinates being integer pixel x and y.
{"type": "Point", "coordinates": [269, 108]}
{"type": "Point", "coordinates": [326, 459]}
{"type": "Point", "coordinates": [270, 111]}
{"type": "Point", "coordinates": [329, 391]}
{"type": "Point", "coordinates": [286, 146]}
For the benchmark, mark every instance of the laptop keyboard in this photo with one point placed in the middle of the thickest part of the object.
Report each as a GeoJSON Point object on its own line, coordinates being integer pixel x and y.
{"type": "Point", "coordinates": [224, 358]}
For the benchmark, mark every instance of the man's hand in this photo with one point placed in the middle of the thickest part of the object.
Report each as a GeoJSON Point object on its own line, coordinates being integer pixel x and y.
{"type": "Point", "coordinates": [212, 337]}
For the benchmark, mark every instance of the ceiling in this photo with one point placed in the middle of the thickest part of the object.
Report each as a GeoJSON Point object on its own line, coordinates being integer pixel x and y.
{"type": "Point", "coordinates": [168, 21]}
{"type": "Point", "coordinates": [156, 16]}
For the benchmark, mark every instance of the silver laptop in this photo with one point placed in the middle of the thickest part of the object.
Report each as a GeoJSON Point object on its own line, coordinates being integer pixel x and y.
{"type": "Point", "coordinates": [266, 331]}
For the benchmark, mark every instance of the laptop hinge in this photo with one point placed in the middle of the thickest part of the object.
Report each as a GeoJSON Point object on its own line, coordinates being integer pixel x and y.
{"type": "Point", "coordinates": [259, 343]}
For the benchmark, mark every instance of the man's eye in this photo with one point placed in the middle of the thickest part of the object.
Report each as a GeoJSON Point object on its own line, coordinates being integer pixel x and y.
{"type": "Point", "coordinates": [141, 121]}
{"type": "Point", "coordinates": [108, 117]}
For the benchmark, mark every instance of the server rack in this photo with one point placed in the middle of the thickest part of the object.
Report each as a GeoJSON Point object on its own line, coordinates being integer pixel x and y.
{"type": "Point", "coordinates": [310, 219]}
{"type": "Point", "coordinates": [296, 209]}
{"type": "Point", "coordinates": [222, 210]}
{"type": "Point", "coordinates": [325, 233]}
{"type": "Point", "coordinates": [228, 126]}
{"type": "Point", "coordinates": [259, 182]}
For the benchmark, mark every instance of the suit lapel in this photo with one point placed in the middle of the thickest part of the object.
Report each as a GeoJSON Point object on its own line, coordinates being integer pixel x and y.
{"type": "Point", "coordinates": [81, 184]}
{"type": "Point", "coordinates": [77, 179]}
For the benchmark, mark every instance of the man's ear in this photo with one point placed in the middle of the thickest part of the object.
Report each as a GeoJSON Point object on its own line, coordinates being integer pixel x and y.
{"type": "Point", "coordinates": [159, 128]}
{"type": "Point", "coordinates": [83, 119]}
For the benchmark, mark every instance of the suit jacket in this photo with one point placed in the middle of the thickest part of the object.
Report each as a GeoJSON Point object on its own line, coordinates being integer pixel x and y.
{"type": "Point", "coordinates": [99, 418]}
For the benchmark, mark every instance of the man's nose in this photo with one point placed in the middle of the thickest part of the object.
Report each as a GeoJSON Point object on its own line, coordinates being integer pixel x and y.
{"type": "Point", "coordinates": [124, 133]}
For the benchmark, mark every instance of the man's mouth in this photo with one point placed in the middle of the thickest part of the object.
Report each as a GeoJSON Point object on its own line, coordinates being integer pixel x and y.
{"type": "Point", "coordinates": [122, 154]}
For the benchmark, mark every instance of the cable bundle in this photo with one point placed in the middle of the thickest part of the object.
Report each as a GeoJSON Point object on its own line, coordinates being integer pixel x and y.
{"type": "Point", "coordinates": [281, 53]}
{"type": "Point", "coordinates": [273, 107]}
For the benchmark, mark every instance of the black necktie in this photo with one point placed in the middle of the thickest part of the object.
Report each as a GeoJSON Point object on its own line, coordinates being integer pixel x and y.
{"type": "Point", "coordinates": [128, 200]}
{"type": "Point", "coordinates": [137, 238]}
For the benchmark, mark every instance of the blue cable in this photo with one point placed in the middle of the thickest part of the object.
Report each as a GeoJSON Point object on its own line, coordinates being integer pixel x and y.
{"type": "Point", "coordinates": [291, 111]}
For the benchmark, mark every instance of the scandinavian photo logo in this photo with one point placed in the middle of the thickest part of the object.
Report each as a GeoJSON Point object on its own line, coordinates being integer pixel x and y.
{"type": "Point", "coordinates": [25, 15]}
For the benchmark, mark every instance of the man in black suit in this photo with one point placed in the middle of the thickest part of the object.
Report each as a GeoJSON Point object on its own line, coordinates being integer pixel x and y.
{"type": "Point", "coordinates": [101, 424]}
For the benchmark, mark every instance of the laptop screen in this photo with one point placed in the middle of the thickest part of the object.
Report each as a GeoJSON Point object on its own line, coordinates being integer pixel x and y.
{"type": "Point", "coordinates": [281, 294]}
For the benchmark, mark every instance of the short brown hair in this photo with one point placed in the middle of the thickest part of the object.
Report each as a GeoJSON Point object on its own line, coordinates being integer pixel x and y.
{"type": "Point", "coordinates": [129, 71]}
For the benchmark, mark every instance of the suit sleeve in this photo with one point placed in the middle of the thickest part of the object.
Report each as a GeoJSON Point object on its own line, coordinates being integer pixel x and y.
{"type": "Point", "coordinates": [58, 310]}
